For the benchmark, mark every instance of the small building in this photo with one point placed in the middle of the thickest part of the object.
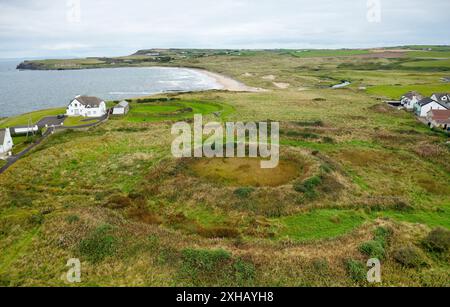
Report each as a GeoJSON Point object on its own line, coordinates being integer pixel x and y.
{"type": "Point", "coordinates": [410, 99]}
{"type": "Point", "coordinates": [18, 130]}
{"type": "Point", "coordinates": [426, 105]}
{"type": "Point", "coordinates": [86, 106]}
{"type": "Point", "coordinates": [439, 118]}
{"type": "Point", "coordinates": [6, 143]}
{"type": "Point", "coordinates": [122, 108]}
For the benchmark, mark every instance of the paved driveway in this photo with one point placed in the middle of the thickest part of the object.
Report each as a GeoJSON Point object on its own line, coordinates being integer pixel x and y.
{"type": "Point", "coordinates": [50, 121]}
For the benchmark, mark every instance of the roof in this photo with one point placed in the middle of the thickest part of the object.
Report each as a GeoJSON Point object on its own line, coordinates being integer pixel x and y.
{"type": "Point", "coordinates": [426, 101]}
{"type": "Point", "coordinates": [122, 104]}
{"type": "Point", "coordinates": [441, 95]}
{"type": "Point", "coordinates": [89, 101]}
{"type": "Point", "coordinates": [411, 94]}
{"type": "Point", "coordinates": [440, 115]}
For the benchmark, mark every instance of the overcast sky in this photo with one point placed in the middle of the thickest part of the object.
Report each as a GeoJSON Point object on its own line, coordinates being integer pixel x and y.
{"type": "Point", "coordinates": [45, 28]}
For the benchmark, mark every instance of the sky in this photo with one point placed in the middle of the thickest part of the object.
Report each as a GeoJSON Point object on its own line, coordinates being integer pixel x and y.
{"type": "Point", "coordinates": [78, 28]}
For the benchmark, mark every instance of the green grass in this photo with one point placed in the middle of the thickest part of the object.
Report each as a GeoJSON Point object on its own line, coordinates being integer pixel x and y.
{"type": "Point", "coordinates": [395, 92]}
{"type": "Point", "coordinates": [78, 120]}
{"type": "Point", "coordinates": [429, 54]}
{"type": "Point", "coordinates": [432, 218]}
{"type": "Point", "coordinates": [327, 53]}
{"type": "Point", "coordinates": [34, 116]}
{"type": "Point", "coordinates": [318, 224]}
{"type": "Point", "coordinates": [152, 112]}
{"type": "Point", "coordinates": [428, 64]}
{"type": "Point", "coordinates": [11, 254]}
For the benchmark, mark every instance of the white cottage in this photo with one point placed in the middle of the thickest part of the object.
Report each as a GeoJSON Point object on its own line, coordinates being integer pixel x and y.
{"type": "Point", "coordinates": [6, 142]}
{"type": "Point", "coordinates": [426, 105]}
{"type": "Point", "coordinates": [121, 108]}
{"type": "Point", "coordinates": [86, 106]}
{"type": "Point", "coordinates": [410, 99]}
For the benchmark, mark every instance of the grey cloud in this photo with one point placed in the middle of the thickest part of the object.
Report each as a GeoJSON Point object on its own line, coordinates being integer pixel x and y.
{"type": "Point", "coordinates": [111, 27]}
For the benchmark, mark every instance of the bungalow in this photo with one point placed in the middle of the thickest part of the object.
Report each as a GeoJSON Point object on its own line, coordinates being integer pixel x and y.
{"type": "Point", "coordinates": [122, 108]}
{"type": "Point", "coordinates": [410, 99]}
{"type": "Point", "coordinates": [6, 142]}
{"type": "Point", "coordinates": [439, 118]}
{"type": "Point", "coordinates": [86, 106]}
{"type": "Point", "coordinates": [427, 104]}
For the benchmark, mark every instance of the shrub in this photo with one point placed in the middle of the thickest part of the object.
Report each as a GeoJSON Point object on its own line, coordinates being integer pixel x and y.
{"type": "Point", "coordinates": [200, 260]}
{"type": "Point", "coordinates": [72, 219]}
{"type": "Point", "coordinates": [308, 186]}
{"type": "Point", "coordinates": [245, 271]}
{"type": "Point", "coordinates": [327, 139]}
{"type": "Point", "coordinates": [98, 245]}
{"type": "Point", "coordinates": [118, 202]}
{"type": "Point", "coordinates": [320, 266]}
{"type": "Point", "coordinates": [243, 192]}
{"type": "Point", "coordinates": [438, 240]}
{"type": "Point", "coordinates": [356, 270]}
{"type": "Point", "coordinates": [383, 235]}
{"type": "Point", "coordinates": [373, 249]}
{"type": "Point", "coordinates": [36, 219]}
{"type": "Point", "coordinates": [218, 232]}
{"type": "Point", "coordinates": [409, 256]}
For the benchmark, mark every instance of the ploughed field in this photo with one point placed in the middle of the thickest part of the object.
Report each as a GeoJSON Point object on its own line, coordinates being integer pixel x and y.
{"type": "Point", "coordinates": [357, 179]}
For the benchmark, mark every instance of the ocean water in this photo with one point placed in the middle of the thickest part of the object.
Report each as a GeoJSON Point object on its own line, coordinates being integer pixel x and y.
{"type": "Point", "coordinates": [26, 91]}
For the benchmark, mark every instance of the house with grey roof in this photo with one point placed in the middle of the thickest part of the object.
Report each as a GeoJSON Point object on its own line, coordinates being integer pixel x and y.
{"type": "Point", "coordinates": [409, 99]}
{"type": "Point", "coordinates": [6, 143]}
{"type": "Point", "coordinates": [86, 106]}
{"type": "Point", "coordinates": [122, 108]}
{"type": "Point", "coordinates": [426, 105]}
{"type": "Point", "coordinates": [442, 98]}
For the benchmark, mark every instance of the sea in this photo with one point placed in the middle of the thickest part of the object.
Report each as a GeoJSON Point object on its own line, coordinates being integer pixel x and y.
{"type": "Point", "coordinates": [23, 91]}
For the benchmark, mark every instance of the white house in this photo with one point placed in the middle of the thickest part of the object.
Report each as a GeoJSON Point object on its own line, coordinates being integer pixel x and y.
{"type": "Point", "coordinates": [121, 108]}
{"type": "Point", "coordinates": [426, 105]}
{"type": "Point", "coordinates": [86, 106]}
{"type": "Point", "coordinates": [6, 142]}
{"type": "Point", "coordinates": [410, 99]}
{"type": "Point", "coordinates": [442, 98]}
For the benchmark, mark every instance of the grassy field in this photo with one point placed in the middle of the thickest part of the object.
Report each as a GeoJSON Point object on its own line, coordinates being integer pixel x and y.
{"type": "Point", "coordinates": [358, 179]}
{"type": "Point", "coordinates": [34, 117]}
{"type": "Point", "coordinates": [396, 91]}
{"type": "Point", "coordinates": [327, 53]}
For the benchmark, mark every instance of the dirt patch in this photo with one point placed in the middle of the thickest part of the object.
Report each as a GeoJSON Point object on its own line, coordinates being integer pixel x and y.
{"type": "Point", "coordinates": [246, 172]}
{"type": "Point", "coordinates": [281, 85]}
{"type": "Point", "coordinates": [269, 77]}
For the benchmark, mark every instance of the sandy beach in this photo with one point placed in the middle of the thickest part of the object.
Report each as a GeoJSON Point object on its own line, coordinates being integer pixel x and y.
{"type": "Point", "coordinates": [228, 83]}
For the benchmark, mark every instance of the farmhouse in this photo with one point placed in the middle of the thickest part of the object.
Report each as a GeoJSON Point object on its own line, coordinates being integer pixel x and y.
{"type": "Point", "coordinates": [6, 142]}
{"type": "Point", "coordinates": [439, 118]}
{"type": "Point", "coordinates": [86, 106]}
{"type": "Point", "coordinates": [426, 105]}
{"type": "Point", "coordinates": [410, 99]}
{"type": "Point", "coordinates": [121, 108]}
